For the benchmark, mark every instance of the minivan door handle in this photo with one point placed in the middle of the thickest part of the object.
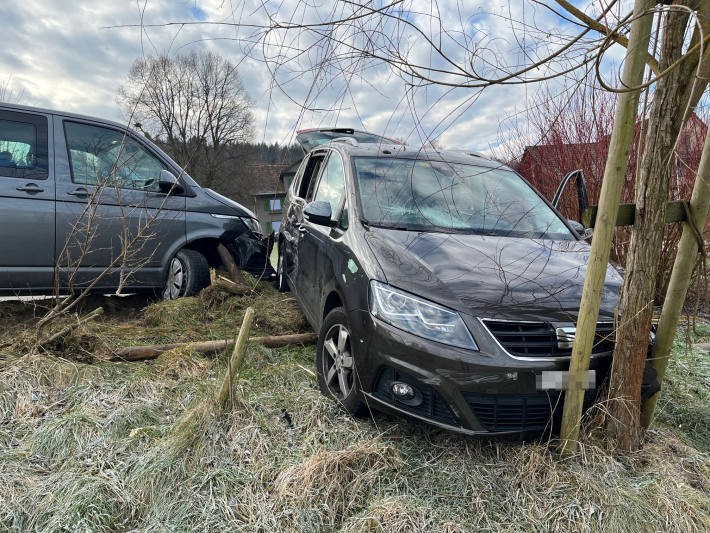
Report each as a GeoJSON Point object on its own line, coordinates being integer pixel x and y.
{"type": "Point", "coordinates": [81, 191]}
{"type": "Point", "coordinates": [302, 228]}
{"type": "Point", "coordinates": [30, 187]}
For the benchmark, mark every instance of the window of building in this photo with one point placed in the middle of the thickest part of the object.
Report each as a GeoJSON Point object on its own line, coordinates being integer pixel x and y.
{"type": "Point", "coordinates": [273, 204]}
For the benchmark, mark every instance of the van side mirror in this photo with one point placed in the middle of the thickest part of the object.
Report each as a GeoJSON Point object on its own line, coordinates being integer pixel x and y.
{"type": "Point", "coordinates": [319, 213]}
{"type": "Point", "coordinates": [168, 183]}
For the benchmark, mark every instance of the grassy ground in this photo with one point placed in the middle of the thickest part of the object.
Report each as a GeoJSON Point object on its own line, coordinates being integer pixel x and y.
{"type": "Point", "coordinates": [88, 445]}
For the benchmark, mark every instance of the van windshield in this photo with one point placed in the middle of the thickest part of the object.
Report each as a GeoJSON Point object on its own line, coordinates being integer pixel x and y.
{"type": "Point", "coordinates": [422, 195]}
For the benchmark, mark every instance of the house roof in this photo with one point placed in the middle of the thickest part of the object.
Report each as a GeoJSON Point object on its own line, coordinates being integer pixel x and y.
{"type": "Point", "coordinates": [265, 179]}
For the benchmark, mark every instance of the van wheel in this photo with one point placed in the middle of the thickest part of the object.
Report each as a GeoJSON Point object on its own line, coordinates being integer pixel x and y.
{"type": "Point", "coordinates": [281, 283]}
{"type": "Point", "coordinates": [188, 274]}
{"type": "Point", "coordinates": [335, 362]}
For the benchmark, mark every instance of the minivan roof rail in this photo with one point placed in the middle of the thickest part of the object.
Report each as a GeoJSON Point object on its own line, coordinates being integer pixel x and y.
{"type": "Point", "coordinates": [472, 153]}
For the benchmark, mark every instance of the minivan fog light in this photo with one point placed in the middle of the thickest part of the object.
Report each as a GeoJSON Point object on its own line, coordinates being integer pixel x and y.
{"type": "Point", "coordinates": [406, 394]}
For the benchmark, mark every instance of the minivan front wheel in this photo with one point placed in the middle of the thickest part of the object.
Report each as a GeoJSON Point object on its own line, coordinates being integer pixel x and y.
{"type": "Point", "coordinates": [281, 283]}
{"type": "Point", "coordinates": [188, 274]}
{"type": "Point", "coordinates": [335, 362]}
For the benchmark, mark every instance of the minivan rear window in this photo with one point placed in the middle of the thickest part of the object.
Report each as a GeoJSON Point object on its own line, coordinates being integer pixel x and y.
{"type": "Point", "coordinates": [23, 145]}
{"type": "Point", "coordinates": [422, 195]}
{"type": "Point", "coordinates": [309, 139]}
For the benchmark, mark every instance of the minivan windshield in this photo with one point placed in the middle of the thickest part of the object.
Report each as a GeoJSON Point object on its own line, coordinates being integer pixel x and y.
{"type": "Point", "coordinates": [423, 195]}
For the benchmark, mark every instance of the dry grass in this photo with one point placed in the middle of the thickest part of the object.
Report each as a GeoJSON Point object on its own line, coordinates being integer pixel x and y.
{"type": "Point", "coordinates": [399, 515]}
{"type": "Point", "coordinates": [336, 480]}
{"type": "Point", "coordinates": [103, 446]}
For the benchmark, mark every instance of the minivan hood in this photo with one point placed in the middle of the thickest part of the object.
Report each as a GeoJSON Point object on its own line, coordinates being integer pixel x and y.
{"type": "Point", "coordinates": [227, 207]}
{"type": "Point", "coordinates": [491, 277]}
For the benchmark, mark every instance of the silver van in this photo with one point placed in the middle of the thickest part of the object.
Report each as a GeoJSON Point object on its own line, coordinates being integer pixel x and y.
{"type": "Point", "coordinates": [89, 203]}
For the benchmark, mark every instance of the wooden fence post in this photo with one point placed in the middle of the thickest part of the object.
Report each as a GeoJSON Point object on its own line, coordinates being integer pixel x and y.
{"type": "Point", "coordinates": [614, 175]}
{"type": "Point", "coordinates": [235, 360]}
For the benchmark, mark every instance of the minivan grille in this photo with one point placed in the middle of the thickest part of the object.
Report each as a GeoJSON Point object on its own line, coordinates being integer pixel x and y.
{"type": "Point", "coordinates": [433, 405]}
{"type": "Point", "coordinates": [538, 339]}
{"type": "Point", "coordinates": [520, 412]}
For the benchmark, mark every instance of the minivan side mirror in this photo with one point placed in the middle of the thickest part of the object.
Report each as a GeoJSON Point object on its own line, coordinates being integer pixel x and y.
{"type": "Point", "coordinates": [168, 183]}
{"type": "Point", "coordinates": [585, 233]}
{"type": "Point", "coordinates": [319, 213]}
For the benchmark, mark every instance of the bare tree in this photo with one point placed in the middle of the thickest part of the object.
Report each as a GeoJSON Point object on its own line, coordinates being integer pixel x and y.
{"type": "Point", "coordinates": [9, 94]}
{"type": "Point", "coordinates": [195, 105]}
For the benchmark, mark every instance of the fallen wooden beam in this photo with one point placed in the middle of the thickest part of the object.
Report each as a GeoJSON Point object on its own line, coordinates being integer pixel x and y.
{"type": "Point", "coordinates": [139, 353]}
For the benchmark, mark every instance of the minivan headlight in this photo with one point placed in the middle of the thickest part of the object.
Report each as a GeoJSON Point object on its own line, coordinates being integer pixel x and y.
{"type": "Point", "coordinates": [419, 316]}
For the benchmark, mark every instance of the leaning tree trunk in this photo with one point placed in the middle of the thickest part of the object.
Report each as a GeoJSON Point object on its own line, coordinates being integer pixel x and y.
{"type": "Point", "coordinates": [653, 176]}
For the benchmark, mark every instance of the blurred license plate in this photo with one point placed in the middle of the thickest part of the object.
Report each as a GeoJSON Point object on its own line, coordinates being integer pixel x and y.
{"type": "Point", "coordinates": [559, 380]}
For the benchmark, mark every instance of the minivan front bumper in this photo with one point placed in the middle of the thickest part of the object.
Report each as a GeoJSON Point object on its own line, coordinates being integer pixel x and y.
{"type": "Point", "coordinates": [485, 392]}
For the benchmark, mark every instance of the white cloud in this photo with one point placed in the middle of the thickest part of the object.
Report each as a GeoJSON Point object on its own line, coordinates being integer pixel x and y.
{"type": "Point", "coordinates": [73, 55]}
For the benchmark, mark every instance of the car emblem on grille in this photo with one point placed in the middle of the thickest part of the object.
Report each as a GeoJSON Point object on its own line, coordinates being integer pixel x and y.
{"type": "Point", "coordinates": [565, 337]}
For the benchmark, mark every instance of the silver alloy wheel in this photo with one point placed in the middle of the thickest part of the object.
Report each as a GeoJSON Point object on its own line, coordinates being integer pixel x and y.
{"type": "Point", "coordinates": [176, 278]}
{"type": "Point", "coordinates": [338, 366]}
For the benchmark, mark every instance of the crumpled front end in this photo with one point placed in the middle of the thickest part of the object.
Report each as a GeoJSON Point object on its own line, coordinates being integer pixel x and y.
{"type": "Point", "coordinates": [251, 252]}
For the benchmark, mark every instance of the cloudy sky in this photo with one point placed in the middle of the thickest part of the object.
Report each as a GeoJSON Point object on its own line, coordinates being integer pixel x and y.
{"type": "Point", "coordinates": [74, 54]}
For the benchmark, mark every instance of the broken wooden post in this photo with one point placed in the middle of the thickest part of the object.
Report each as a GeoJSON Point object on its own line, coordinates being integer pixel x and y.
{"type": "Point", "coordinates": [613, 181]}
{"type": "Point", "coordinates": [229, 286]}
{"type": "Point", "coordinates": [690, 242]}
{"type": "Point", "coordinates": [71, 327]}
{"type": "Point", "coordinates": [230, 264]}
{"type": "Point", "coordinates": [235, 362]}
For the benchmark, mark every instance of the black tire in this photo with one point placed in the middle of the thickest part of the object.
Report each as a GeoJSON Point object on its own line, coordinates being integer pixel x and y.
{"type": "Point", "coordinates": [329, 380]}
{"type": "Point", "coordinates": [281, 282]}
{"type": "Point", "coordinates": [188, 273]}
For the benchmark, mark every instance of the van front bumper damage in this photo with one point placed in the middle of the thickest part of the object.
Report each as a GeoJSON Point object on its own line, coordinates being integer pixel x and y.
{"type": "Point", "coordinates": [251, 252]}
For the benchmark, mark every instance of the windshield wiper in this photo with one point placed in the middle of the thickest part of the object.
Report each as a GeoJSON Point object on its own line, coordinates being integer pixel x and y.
{"type": "Point", "coordinates": [392, 226]}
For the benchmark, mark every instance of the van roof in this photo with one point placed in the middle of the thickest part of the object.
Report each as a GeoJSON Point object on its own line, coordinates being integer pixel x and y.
{"type": "Point", "coordinates": [18, 107]}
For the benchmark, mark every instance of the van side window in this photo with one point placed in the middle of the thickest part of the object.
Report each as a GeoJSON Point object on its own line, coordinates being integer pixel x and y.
{"type": "Point", "coordinates": [331, 187]}
{"type": "Point", "coordinates": [102, 156]}
{"type": "Point", "coordinates": [23, 146]}
{"type": "Point", "coordinates": [308, 181]}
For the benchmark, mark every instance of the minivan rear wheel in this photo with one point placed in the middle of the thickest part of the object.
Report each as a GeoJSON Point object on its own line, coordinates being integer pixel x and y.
{"type": "Point", "coordinates": [335, 362]}
{"type": "Point", "coordinates": [188, 274]}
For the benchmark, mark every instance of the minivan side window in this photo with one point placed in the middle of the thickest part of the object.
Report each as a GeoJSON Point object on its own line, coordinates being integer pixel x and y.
{"type": "Point", "coordinates": [99, 156]}
{"type": "Point", "coordinates": [23, 146]}
{"type": "Point", "coordinates": [310, 174]}
{"type": "Point", "coordinates": [331, 187]}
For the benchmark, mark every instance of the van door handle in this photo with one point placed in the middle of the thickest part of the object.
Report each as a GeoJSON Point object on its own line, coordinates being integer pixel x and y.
{"type": "Point", "coordinates": [302, 228]}
{"type": "Point", "coordinates": [81, 191]}
{"type": "Point", "coordinates": [30, 187]}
